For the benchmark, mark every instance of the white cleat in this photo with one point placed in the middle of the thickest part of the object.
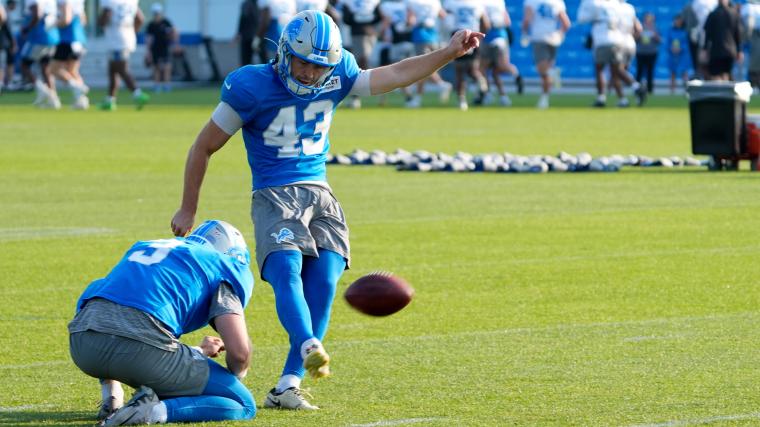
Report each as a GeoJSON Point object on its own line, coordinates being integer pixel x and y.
{"type": "Point", "coordinates": [355, 103]}
{"type": "Point", "coordinates": [54, 102]}
{"type": "Point", "coordinates": [445, 92]}
{"type": "Point", "coordinates": [136, 411]}
{"type": "Point", "coordinates": [543, 102]}
{"type": "Point", "coordinates": [504, 101]}
{"type": "Point", "coordinates": [415, 102]}
{"type": "Point", "coordinates": [108, 407]}
{"type": "Point", "coordinates": [463, 105]}
{"type": "Point", "coordinates": [291, 398]}
{"type": "Point", "coordinates": [43, 92]}
{"type": "Point", "coordinates": [82, 103]}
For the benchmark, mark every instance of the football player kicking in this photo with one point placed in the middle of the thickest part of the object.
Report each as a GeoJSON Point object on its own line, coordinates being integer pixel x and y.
{"type": "Point", "coordinates": [285, 108]}
{"type": "Point", "coordinates": [127, 327]}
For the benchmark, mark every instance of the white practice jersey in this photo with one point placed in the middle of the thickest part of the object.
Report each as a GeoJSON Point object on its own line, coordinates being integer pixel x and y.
{"type": "Point", "coordinates": [425, 12]}
{"type": "Point", "coordinates": [48, 10]}
{"type": "Point", "coordinates": [702, 8]}
{"type": "Point", "coordinates": [280, 10]}
{"type": "Point", "coordinates": [604, 19]}
{"type": "Point", "coordinates": [496, 10]}
{"type": "Point", "coordinates": [751, 15]}
{"type": "Point", "coordinates": [77, 6]}
{"type": "Point", "coordinates": [465, 14]}
{"type": "Point", "coordinates": [120, 30]}
{"type": "Point", "coordinates": [546, 26]}
{"type": "Point", "coordinates": [319, 5]}
{"type": "Point", "coordinates": [363, 10]}
{"type": "Point", "coordinates": [396, 13]}
{"type": "Point", "coordinates": [627, 15]}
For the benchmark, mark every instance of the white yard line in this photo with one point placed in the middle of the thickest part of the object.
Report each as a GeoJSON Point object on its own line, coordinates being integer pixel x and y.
{"type": "Point", "coordinates": [10, 234]}
{"type": "Point", "coordinates": [702, 421]}
{"type": "Point", "coordinates": [399, 422]}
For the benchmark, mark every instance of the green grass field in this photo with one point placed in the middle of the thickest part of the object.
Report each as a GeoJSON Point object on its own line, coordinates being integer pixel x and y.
{"type": "Point", "coordinates": [597, 299]}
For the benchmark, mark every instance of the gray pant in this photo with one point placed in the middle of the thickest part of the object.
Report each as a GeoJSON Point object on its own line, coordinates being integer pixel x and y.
{"type": "Point", "coordinates": [298, 217]}
{"type": "Point", "coordinates": [169, 373]}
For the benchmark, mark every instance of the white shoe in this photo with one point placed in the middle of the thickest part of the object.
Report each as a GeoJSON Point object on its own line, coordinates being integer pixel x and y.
{"type": "Point", "coordinates": [543, 102]}
{"type": "Point", "coordinates": [355, 103]}
{"type": "Point", "coordinates": [81, 103]}
{"type": "Point", "coordinates": [463, 105]}
{"type": "Point", "coordinates": [108, 407]}
{"type": "Point", "coordinates": [505, 101]}
{"type": "Point", "coordinates": [415, 102]}
{"type": "Point", "coordinates": [291, 398]}
{"type": "Point", "coordinates": [43, 93]}
{"type": "Point", "coordinates": [54, 102]}
{"type": "Point", "coordinates": [445, 92]}
{"type": "Point", "coordinates": [136, 411]}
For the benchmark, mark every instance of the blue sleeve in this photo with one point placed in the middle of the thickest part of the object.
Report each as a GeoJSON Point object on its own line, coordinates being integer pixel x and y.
{"type": "Point", "coordinates": [349, 71]}
{"type": "Point", "coordinates": [239, 276]}
{"type": "Point", "coordinates": [238, 93]}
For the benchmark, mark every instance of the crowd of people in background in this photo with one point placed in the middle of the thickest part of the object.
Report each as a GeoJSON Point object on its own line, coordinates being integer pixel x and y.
{"type": "Point", "coordinates": [47, 40]}
{"type": "Point", "coordinates": [44, 43]}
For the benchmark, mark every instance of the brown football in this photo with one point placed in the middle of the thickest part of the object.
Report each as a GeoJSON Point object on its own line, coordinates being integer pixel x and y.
{"type": "Point", "coordinates": [379, 294]}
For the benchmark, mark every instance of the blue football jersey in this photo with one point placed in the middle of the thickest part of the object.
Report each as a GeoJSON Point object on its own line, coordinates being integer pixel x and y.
{"type": "Point", "coordinates": [286, 136]}
{"type": "Point", "coordinates": [173, 280]}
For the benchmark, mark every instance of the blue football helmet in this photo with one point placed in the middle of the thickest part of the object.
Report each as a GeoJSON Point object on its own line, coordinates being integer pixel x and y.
{"type": "Point", "coordinates": [313, 37]}
{"type": "Point", "coordinates": [222, 237]}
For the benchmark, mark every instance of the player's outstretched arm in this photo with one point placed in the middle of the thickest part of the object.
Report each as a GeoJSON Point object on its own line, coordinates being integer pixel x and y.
{"type": "Point", "coordinates": [209, 140]}
{"type": "Point", "coordinates": [237, 344]}
{"type": "Point", "coordinates": [411, 70]}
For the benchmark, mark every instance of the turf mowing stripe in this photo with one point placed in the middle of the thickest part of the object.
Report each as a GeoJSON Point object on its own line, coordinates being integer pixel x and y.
{"type": "Point", "coordinates": [732, 250]}
{"type": "Point", "coordinates": [532, 211]}
{"type": "Point", "coordinates": [701, 421]}
{"type": "Point", "coordinates": [464, 334]}
{"type": "Point", "coordinates": [655, 338]}
{"type": "Point", "coordinates": [10, 234]}
{"type": "Point", "coordinates": [36, 364]}
{"type": "Point", "coordinates": [23, 407]}
{"type": "Point", "coordinates": [399, 422]}
{"type": "Point", "coordinates": [559, 327]}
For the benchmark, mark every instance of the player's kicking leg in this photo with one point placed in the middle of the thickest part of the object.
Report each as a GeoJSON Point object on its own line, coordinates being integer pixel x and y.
{"type": "Point", "coordinates": [282, 269]}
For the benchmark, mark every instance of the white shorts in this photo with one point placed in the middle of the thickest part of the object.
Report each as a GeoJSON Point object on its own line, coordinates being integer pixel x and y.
{"type": "Point", "coordinates": [36, 52]}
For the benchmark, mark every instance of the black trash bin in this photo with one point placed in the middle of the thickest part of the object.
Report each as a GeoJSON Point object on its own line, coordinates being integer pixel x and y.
{"type": "Point", "coordinates": [717, 110]}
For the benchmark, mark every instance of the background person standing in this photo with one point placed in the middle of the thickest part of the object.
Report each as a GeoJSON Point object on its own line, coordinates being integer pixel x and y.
{"type": "Point", "coordinates": [161, 36]}
{"type": "Point", "coordinates": [248, 26]}
{"type": "Point", "coordinates": [647, 46]}
{"type": "Point", "coordinates": [722, 43]}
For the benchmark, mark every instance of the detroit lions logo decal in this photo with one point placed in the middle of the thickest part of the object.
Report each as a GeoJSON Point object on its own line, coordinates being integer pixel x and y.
{"type": "Point", "coordinates": [283, 235]}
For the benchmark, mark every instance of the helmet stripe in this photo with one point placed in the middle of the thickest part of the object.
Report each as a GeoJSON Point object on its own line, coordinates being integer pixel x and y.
{"type": "Point", "coordinates": [204, 228]}
{"type": "Point", "coordinates": [324, 30]}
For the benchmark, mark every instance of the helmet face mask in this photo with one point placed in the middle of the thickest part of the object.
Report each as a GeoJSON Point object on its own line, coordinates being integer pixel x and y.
{"type": "Point", "coordinates": [313, 37]}
{"type": "Point", "coordinates": [222, 237]}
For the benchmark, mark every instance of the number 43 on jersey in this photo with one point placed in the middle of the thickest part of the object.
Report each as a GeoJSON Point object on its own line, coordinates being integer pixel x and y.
{"type": "Point", "coordinates": [283, 131]}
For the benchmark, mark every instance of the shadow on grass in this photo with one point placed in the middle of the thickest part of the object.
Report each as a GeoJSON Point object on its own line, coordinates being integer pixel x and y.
{"type": "Point", "coordinates": [35, 418]}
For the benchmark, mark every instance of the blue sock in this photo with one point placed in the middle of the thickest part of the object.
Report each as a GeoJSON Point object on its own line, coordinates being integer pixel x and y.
{"type": "Point", "coordinates": [282, 269]}
{"type": "Point", "coordinates": [320, 279]}
{"type": "Point", "coordinates": [223, 398]}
